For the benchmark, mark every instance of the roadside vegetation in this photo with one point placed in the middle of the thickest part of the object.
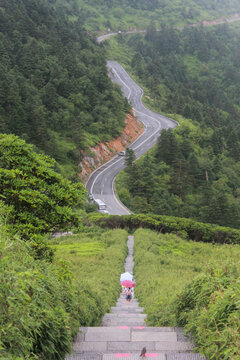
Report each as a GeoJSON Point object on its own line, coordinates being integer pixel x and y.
{"type": "Point", "coordinates": [56, 99]}
{"type": "Point", "coordinates": [122, 15]}
{"type": "Point", "coordinates": [97, 260]}
{"type": "Point", "coordinates": [39, 199]}
{"type": "Point", "coordinates": [187, 228]}
{"type": "Point", "coordinates": [55, 91]}
{"type": "Point", "coordinates": [44, 302]}
{"type": "Point", "coordinates": [196, 285]}
{"type": "Point", "coordinates": [192, 75]}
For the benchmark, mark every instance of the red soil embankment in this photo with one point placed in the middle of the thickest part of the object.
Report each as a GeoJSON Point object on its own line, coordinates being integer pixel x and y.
{"type": "Point", "coordinates": [102, 152]}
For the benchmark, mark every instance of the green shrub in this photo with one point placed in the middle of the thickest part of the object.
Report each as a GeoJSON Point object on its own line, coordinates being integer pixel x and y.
{"type": "Point", "coordinates": [40, 199]}
{"type": "Point", "coordinates": [168, 224]}
{"type": "Point", "coordinates": [97, 259]}
{"type": "Point", "coordinates": [209, 308]}
{"type": "Point", "coordinates": [31, 296]}
{"type": "Point", "coordinates": [40, 310]}
{"type": "Point", "coordinates": [42, 304]}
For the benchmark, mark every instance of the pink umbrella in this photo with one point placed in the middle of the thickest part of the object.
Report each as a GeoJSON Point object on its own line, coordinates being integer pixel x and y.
{"type": "Point", "coordinates": [128, 283]}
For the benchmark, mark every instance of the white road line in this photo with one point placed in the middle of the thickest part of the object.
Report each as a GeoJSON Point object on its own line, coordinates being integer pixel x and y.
{"type": "Point", "coordinates": [117, 200]}
{"type": "Point", "coordinates": [159, 126]}
{"type": "Point", "coordinates": [102, 173]}
{"type": "Point", "coordinates": [130, 91]}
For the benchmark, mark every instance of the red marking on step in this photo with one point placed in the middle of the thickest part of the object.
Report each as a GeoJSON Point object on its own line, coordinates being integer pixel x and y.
{"type": "Point", "coordinates": [117, 355]}
{"type": "Point", "coordinates": [151, 355]}
{"type": "Point", "coordinates": [123, 327]}
{"type": "Point", "coordinates": [139, 327]}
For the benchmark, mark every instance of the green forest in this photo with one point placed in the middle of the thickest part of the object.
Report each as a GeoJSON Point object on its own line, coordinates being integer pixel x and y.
{"type": "Point", "coordinates": [54, 88]}
{"type": "Point", "coordinates": [194, 170]}
{"type": "Point", "coordinates": [56, 99]}
{"type": "Point", "coordinates": [114, 15]}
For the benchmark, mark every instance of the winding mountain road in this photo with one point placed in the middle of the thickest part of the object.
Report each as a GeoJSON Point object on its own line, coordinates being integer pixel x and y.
{"type": "Point", "coordinates": [101, 182]}
{"type": "Point", "coordinates": [228, 19]}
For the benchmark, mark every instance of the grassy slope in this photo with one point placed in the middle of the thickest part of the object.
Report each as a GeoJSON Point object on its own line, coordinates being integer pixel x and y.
{"type": "Point", "coordinates": [164, 264]}
{"type": "Point", "coordinates": [96, 259]}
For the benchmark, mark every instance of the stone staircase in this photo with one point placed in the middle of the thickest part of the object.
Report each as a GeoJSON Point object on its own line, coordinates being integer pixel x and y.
{"type": "Point", "coordinates": [124, 334]}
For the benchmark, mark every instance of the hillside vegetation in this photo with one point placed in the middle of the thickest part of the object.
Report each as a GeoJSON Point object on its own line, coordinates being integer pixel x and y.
{"type": "Point", "coordinates": [44, 303]}
{"type": "Point", "coordinates": [97, 260]}
{"type": "Point", "coordinates": [56, 99]}
{"type": "Point", "coordinates": [54, 88]}
{"type": "Point", "coordinates": [194, 169]}
{"type": "Point", "coordinates": [187, 228]}
{"type": "Point", "coordinates": [39, 199]}
{"type": "Point", "coordinates": [49, 288]}
{"type": "Point", "coordinates": [130, 14]}
{"type": "Point", "coordinates": [196, 285]}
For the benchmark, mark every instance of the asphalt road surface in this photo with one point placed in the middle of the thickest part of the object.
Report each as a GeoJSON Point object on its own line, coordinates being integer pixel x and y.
{"type": "Point", "coordinates": [101, 181]}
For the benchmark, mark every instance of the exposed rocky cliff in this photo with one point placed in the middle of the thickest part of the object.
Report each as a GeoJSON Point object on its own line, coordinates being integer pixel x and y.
{"type": "Point", "coordinates": [103, 152]}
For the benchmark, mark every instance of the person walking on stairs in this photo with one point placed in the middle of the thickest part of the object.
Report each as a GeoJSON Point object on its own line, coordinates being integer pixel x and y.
{"type": "Point", "coordinates": [129, 294]}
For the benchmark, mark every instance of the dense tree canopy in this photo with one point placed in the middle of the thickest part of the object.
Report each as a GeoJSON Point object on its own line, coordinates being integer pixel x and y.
{"type": "Point", "coordinates": [40, 199]}
{"type": "Point", "coordinates": [54, 88]}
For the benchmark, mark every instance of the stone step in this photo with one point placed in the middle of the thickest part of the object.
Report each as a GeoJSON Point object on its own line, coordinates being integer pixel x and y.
{"type": "Point", "coordinates": [124, 302]}
{"type": "Point", "coordinates": [185, 356]}
{"type": "Point", "coordinates": [129, 311]}
{"type": "Point", "coordinates": [84, 330]}
{"type": "Point", "coordinates": [154, 329]}
{"type": "Point", "coordinates": [135, 356]}
{"type": "Point", "coordinates": [86, 356]}
{"type": "Point", "coordinates": [129, 356]}
{"type": "Point", "coordinates": [126, 333]}
{"type": "Point", "coordinates": [124, 315]}
{"type": "Point", "coordinates": [131, 346]}
{"type": "Point", "coordinates": [125, 324]}
{"type": "Point", "coordinates": [127, 305]}
{"type": "Point", "coordinates": [155, 356]}
{"type": "Point", "coordinates": [124, 320]}
{"type": "Point", "coordinates": [125, 308]}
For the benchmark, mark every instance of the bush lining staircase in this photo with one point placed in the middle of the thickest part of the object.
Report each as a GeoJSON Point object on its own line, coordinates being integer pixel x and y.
{"type": "Point", "coordinates": [124, 334]}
